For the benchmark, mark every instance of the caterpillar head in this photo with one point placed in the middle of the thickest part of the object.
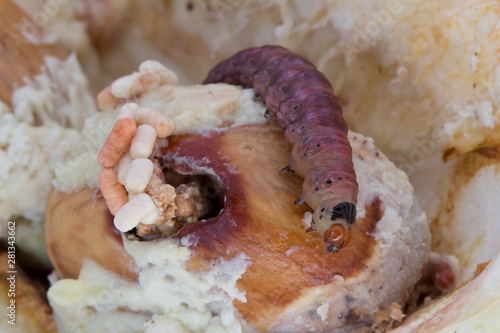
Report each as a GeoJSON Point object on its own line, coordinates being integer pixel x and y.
{"type": "Point", "coordinates": [337, 237]}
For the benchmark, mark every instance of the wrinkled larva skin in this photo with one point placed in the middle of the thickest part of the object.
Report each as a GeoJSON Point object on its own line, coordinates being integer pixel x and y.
{"type": "Point", "coordinates": [302, 99]}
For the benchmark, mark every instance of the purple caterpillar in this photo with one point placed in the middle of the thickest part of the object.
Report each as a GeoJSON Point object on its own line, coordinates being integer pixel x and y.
{"type": "Point", "coordinates": [302, 99]}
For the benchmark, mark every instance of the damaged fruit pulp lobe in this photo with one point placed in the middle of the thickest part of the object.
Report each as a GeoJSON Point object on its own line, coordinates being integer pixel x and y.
{"type": "Point", "coordinates": [260, 219]}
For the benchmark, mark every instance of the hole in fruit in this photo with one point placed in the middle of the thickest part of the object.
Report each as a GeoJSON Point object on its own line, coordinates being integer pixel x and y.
{"type": "Point", "coordinates": [198, 196]}
{"type": "Point", "coordinates": [209, 187]}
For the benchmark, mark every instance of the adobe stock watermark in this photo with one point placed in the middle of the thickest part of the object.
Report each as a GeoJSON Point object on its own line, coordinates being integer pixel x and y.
{"type": "Point", "coordinates": [223, 7]}
{"type": "Point", "coordinates": [11, 272]}
{"type": "Point", "coordinates": [423, 149]}
{"type": "Point", "coordinates": [472, 103]}
{"type": "Point", "coordinates": [29, 29]}
{"type": "Point", "coordinates": [103, 300]}
{"type": "Point", "coordinates": [364, 36]}
{"type": "Point", "coordinates": [89, 143]}
{"type": "Point", "coordinates": [456, 112]}
{"type": "Point", "coordinates": [40, 19]}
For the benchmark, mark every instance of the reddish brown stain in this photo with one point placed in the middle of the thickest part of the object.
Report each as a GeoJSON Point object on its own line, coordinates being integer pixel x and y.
{"type": "Point", "coordinates": [449, 153]}
{"type": "Point", "coordinates": [443, 276]}
{"type": "Point", "coordinates": [261, 220]}
{"type": "Point", "coordinates": [489, 152]}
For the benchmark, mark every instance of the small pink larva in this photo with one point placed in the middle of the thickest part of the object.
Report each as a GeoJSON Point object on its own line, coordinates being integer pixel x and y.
{"type": "Point", "coordinates": [303, 102]}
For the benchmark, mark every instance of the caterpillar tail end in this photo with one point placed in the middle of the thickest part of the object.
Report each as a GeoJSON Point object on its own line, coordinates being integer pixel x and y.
{"type": "Point", "coordinates": [338, 235]}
